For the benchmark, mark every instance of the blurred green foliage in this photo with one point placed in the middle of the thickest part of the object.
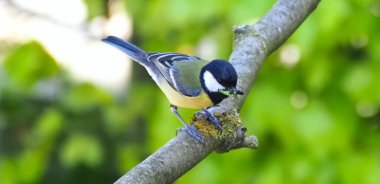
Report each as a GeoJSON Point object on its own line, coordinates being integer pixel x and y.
{"type": "Point", "coordinates": [317, 119]}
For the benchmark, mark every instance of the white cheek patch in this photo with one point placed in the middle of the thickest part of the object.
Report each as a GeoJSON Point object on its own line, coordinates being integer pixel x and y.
{"type": "Point", "coordinates": [211, 83]}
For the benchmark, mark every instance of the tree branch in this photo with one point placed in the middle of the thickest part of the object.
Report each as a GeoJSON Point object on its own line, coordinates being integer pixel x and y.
{"type": "Point", "coordinates": [252, 44]}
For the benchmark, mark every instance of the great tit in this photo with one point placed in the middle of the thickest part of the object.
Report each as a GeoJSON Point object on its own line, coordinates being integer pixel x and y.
{"type": "Point", "coordinates": [187, 81]}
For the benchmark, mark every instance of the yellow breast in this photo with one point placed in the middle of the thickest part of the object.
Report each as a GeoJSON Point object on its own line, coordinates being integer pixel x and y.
{"type": "Point", "coordinates": [175, 98]}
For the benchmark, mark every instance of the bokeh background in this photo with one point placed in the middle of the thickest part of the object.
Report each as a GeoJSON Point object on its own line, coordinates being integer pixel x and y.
{"type": "Point", "coordinates": [75, 110]}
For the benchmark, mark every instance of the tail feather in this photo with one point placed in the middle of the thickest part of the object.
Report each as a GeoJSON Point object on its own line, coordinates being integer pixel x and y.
{"type": "Point", "coordinates": [131, 50]}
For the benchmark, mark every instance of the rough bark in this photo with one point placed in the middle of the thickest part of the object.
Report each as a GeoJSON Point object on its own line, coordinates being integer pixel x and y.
{"type": "Point", "coordinates": [252, 44]}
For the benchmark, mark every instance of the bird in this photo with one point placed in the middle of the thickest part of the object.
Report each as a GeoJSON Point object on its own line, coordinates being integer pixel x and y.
{"type": "Point", "coordinates": [187, 81]}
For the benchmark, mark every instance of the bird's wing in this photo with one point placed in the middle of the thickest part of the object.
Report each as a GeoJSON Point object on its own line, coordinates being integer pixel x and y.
{"type": "Point", "coordinates": [180, 70]}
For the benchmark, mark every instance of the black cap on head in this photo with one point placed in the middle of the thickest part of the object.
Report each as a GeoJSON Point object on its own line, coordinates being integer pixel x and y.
{"type": "Point", "coordinates": [219, 74]}
{"type": "Point", "coordinates": [223, 72]}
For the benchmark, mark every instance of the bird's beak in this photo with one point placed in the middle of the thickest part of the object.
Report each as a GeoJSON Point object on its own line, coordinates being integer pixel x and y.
{"type": "Point", "coordinates": [231, 92]}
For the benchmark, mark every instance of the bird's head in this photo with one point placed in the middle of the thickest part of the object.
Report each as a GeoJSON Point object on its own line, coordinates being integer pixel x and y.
{"type": "Point", "coordinates": [218, 79]}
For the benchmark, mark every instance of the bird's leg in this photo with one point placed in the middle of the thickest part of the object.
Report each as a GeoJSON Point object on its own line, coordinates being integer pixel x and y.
{"type": "Point", "coordinates": [190, 130]}
{"type": "Point", "coordinates": [213, 119]}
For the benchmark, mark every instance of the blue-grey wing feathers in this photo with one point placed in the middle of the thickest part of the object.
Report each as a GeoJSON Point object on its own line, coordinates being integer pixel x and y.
{"type": "Point", "coordinates": [131, 50]}
{"type": "Point", "coordinates": [157, 63]}
{"type": "Point", "coordinates": [165, 62]}
{"type": "Point", "coordinates": [185, 88]}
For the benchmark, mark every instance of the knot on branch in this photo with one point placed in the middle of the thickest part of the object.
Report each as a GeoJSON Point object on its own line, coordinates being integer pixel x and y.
{"type": "Point", "coordinates": [241, 29]}
{"type": "Point", "coordinates": [232, 135]}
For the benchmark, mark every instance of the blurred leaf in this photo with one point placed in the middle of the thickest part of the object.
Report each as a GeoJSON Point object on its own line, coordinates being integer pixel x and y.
{"type": "Point", "coordinates": [271, 173]}
{"type": "Point", "coordinates": [350, 164]}
{"type": "Point", "coordinates": [203, 175]}
{"type": "Point", "coordinates": [95, 8]}
{"type": "Point", "coordinates": [238, 12]}
{"type": "Point", "coordinates": [8, 171]}
{"type": "Point", "coordinates": [162, 123]}
{"type": "Point", "coordinates": [49, 124]}
{"type": "Point", "coordinates": [81, 149]}
{"type": "Point", "coordinates": [30, 63]}
{"type": "Point", "coordinates": [33, 161]}
{"type": "Point", "coordinates": [140, 102]}
{"type": "Point", "coordinates": [86, 96]}
{"type": "Point", "coordinates": [361, 85]}
{"type": "Point", "coordinates": [313, 125]}
{"type": "Point", "coordinates": [318, 75]}
{"type": "Point", "coordinates": [128, 156]}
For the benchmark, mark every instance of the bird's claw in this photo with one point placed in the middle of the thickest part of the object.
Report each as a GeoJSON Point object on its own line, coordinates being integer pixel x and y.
{"type": "Point", "coordinates": [194, 133]}
{"type": "Point", "coordinates": [213, 119]}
